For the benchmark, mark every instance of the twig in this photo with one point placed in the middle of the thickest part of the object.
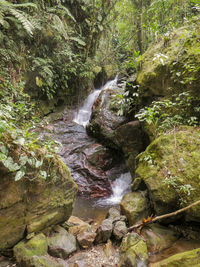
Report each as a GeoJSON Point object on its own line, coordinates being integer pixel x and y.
{"type": "Point", "coordinates": [155, 219]}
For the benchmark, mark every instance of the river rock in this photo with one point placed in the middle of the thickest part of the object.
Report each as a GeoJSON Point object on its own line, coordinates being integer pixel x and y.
{"type": "Point", "coordinates": [135, 207]}
{"type": "Point", "coordinates": [61, 244]}
{"type": "Point", "coordinates": [113, 213]}
{"type": "Point", "coordinates": [77, 225]}
{"type": "Point", "coordinates": [86, 239]}
{"type": "Point", "coordinates": [33, 253]}
{"type": "Point", "coordinates": [34, 204]}
{"type": "Point", "coordinates": [104, 231]}
{"type": "Point", "coordinates": [133, 251]}
{"type": "Point", "coordinates": [184, 259]}
{"type": "Point", "coordinates": [158, 237]}
{"type": "Point", "coordinates": [119, 230]}
{"type": "Point", "coordinates": [104, 121]}
{"type": "Point", "coordinates": [170, 168]}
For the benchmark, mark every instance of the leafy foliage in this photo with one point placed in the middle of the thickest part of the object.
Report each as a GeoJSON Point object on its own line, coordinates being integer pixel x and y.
{"type": "Point", "coordinates": [164, 115]}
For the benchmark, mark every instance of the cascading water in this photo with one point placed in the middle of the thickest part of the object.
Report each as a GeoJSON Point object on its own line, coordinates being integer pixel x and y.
{"type": "Point", "coordinates": [82, 117]}
{"type": "Point", "coordinates": [119, 187]}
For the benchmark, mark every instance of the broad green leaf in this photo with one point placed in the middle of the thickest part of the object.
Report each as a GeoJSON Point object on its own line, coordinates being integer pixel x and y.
{"type": "Point", "coordinates": [4, 150]}
{"type": "Point", "coordinates": [38, 163]}
{"type": "Point", "coordinates": [19, 174]}
{"type": "Point", "coordinates": [43, 174]}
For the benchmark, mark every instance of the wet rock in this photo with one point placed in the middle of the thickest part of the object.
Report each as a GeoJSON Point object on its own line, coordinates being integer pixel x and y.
{"type": "Point", "coordinates": [119, 230]}
{"type": "Point", "coordinates": [61, 244]}
{"type": "Point", "coordinates": [185, 259]}
{"type": "Point", "coordinates": [104, 231]}
{"type": "Point", "coordinates": [134, 206]}
{"type": "Point", "coordinates": [170, 168]}
{"type": "Point", "coordinates": [37, 246]}
{"type": "Point", "coordinates": [86, 239]}
{"type": "Point", "coordinates": [133, 251]}
{"type": "Point", "coordinates": [159, 237]}
{"type": "Point", "coordinates": [104, 121]}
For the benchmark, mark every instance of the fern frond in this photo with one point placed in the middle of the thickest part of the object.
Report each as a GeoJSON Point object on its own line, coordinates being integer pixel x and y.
{"type": "Point", "coordinates": [25, 5]}
{"type": "Point", "coordinates": [67, 12]}
{"type": "Point", "coordinates": [25, 22]}
{"type": "Point", "coordinates": [59, 26]}
{"type": "Point", "coordinates": [78, 40]}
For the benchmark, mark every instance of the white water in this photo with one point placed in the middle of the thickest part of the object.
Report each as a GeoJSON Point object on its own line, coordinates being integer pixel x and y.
{"type": "Point", "coordinates": [82, 117]}
{"type": "Point", "coordinates": [119, 188]}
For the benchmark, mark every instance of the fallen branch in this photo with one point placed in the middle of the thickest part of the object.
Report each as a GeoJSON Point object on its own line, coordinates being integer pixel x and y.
{"type": "Point", "coordinates": [155, 219]}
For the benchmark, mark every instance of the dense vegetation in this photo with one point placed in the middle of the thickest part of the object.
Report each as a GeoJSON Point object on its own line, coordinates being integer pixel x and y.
{"type": "Point", "coordinates": [51, 51]}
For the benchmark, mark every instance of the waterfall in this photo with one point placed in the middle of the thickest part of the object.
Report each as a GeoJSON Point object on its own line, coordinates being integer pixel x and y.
{"type": "Point", "coordinates": [82, 117]}
{"type": "Point", "coordinates": [119, 188]}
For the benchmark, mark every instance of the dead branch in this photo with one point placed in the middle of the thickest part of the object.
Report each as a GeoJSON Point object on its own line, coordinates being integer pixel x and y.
{"type": "Point", "coordinates": [161, 217]}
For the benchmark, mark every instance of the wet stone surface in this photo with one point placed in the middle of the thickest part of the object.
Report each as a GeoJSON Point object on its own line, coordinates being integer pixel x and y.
{"type": "Point", "coordinates": [92, 166]}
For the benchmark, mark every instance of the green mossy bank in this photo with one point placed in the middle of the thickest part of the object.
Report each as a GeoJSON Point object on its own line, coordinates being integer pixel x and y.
{"type": "Point", "coordinates": [32, 203]}
{"type": "Point", "coordinates": [170, 168]}
{"type": "Point", "coordinates": [172, 64]}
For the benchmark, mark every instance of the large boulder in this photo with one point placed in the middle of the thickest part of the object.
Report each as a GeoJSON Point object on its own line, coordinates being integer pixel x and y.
{"type": "Point", "coordinates": [104, 120]}
{"type": "Point", "coordinates": [135, 206]}
{"type": "Point", "coordinates": [133, 251]}
{"type": "Point", "coordinates": [32, 203]}
{"type": "Point", "coordinates": [170, 169]}
{"type": "Point", "coordinates": [172, 64]}
{"type": "Point", "coordinates": [184, 259]}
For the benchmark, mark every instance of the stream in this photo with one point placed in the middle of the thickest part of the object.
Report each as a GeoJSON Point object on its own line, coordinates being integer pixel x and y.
{"type": "Point", "coordinates": [100, 173]}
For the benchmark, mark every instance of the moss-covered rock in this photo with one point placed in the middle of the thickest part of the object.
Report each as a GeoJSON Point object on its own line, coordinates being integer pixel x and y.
{"type": "Point", "coordinates": [172, 64]}
{"type": "Point", "coordinates": [34, 203]}
{"type": "Point", "coordinates": [134, 206]}
{"type": "Point", "coordinates": [170, 168]}
{"type": "Point", "coordinates": [133, 250]}
{"type": "Point", "coordinates": [37, 246]}
{"type": "Point", "coordinates": [185, 259]}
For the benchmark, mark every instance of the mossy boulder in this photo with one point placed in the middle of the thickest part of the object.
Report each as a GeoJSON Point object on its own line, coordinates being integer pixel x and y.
{"type": "Point", "coordinates": [172, 64]}
{"type": "Point", "coordinates": [37, 246]}
{"type": "Point", "coordinates": [32, 203]}
{"type": "Point", "coordinates": [133, 251]}
{"type": "Point", "coordinates": [135, 207]}
{"type": "Point", "coordinates": [170, 168]}
{"type": "Point", "coordinates": [184, 259]}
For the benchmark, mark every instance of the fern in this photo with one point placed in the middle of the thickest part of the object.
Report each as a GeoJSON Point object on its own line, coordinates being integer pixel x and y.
{"type": "Point", "coordinates": [25, 22]}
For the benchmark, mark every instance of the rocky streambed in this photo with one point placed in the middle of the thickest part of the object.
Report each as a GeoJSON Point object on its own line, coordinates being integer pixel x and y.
{"type": "Point", "coordinates": [103, 171]}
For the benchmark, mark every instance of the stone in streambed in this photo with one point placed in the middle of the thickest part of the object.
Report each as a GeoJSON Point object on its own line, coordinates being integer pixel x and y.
{"type": "Point", "coordinates": [133, 250]}
{"type": "Point", "coordinates": [104, 231]}
{"type": "Point", "coordinates": [119, 230]}
{"type": "Point", "coordinates": [61, 244]}
{"type": "Point", "coordinates": [86, 239]}
{"type": "Point", "coordinates": [134, 206]}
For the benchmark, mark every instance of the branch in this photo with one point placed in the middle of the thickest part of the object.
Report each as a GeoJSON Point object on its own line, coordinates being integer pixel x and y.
{"type": "Point", "coordinates": [155, 219]}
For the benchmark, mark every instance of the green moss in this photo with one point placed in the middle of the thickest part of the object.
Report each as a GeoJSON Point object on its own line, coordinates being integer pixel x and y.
{"type": "Point", "coordinates": [180, 70]}
{"type": "Point", "coordinates": [168, 166]}
{"type": "Point", "coordinates": [37, 246]}
{"type": "Point", "coordinates": [184, 259]}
